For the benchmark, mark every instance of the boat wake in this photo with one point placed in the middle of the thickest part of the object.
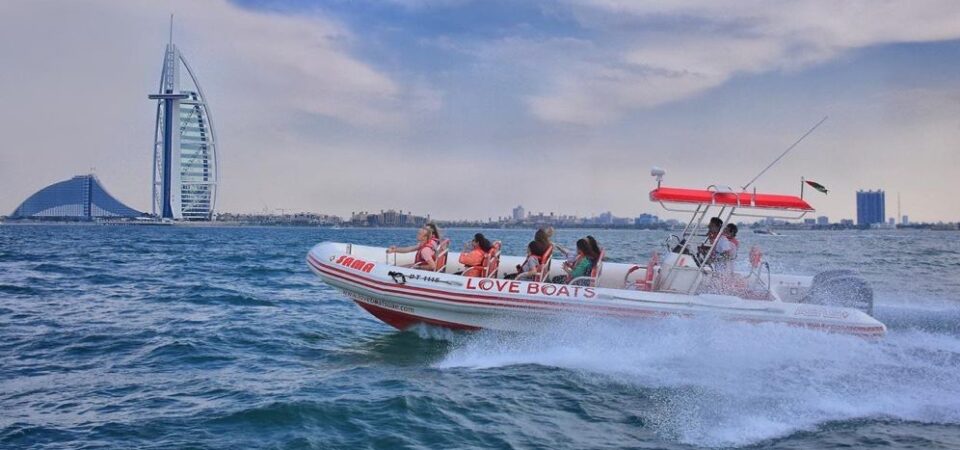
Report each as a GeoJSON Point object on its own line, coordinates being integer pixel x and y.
{"type": "Point", "coordinates": [712, 383]}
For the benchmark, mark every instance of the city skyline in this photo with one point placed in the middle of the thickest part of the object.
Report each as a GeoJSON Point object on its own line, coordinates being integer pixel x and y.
{"type": "Point", "coordinates": [498, 99]}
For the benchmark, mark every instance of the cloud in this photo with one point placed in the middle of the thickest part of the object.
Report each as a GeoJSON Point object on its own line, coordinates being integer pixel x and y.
{"type": "Point", "coordinates": [405, 110]}
{"type": "Point", "coordinates": [79, 73]}
{"type": "Point", "coordinates": [661, 52]}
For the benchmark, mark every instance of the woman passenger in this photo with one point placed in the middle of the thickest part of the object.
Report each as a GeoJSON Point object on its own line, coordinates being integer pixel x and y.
{"type": "Point", "coordinates": [583, 264]}
{"type": "Point", "coordinates": [545, 237]}
{"type": "Point", "coordinates": [426, 249]}
{"type": "Point", "coordinates": [594, 245]}
{"type": "Point", "coordinates": [530, 268]}
{"type": "Point", "coordinates": [473, 255]}
{"type": "Point", "coordinates": [434, 231]}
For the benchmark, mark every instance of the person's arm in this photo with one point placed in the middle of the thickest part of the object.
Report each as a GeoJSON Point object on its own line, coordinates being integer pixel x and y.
{"type": "Point", "coordinates": [471, 258]}
{"type": "Point", "coordinates": [582, 268]}
{"type": "Point", "coordinates": [428, 261]}
{"type": "Point", "coordinates": [395, 249]}
{"type": "Point", "coordinates": [530, 267]}
{"type": "Point", "coordinates": [723, 248]}
{"type": "Point", "coordinates": [530, 273]}
{"type": "Point", "coordinates": [561, 249]}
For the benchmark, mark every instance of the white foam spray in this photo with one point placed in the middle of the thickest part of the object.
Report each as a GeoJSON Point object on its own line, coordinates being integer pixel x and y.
{"type": "Point", "coordinates": [727, 384]}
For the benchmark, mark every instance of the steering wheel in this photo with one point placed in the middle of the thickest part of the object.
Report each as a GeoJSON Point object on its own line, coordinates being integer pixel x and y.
{"type": "Point", "coordinates": [670, 238]}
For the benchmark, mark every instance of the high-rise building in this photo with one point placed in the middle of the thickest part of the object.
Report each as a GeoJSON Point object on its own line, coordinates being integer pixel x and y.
{"type": "Point", "coordinates": [871, 207]}
{"type": "Point", "coordinates": [646, 220]}
{"type": "Point", "coordinates": [518, 214]}
{"type": "Point", "coordinates": [605, 218]}
{"type": "Point", "coordinates": [185, 163]}
{"type": "Point", "coordinates": [823, 220]}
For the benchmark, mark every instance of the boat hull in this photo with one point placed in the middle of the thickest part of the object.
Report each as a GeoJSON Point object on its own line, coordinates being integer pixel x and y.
{"type": "Point", "coordinates": [403, 298]}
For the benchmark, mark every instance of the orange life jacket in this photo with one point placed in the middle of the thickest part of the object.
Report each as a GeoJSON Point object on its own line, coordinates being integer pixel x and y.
{"type": "Point", "coordinates": [473, 258]}
{"type": "Point", "coordinates": [429, 243]}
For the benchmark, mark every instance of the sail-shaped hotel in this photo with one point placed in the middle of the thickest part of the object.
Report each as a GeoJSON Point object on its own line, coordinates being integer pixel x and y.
{"type": "Point", "coordinates": [185, 167]}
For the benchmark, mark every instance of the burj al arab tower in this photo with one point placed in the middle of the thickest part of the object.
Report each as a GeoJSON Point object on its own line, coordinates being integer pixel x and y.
{"type": "Point", "coordinates": [185, 166]}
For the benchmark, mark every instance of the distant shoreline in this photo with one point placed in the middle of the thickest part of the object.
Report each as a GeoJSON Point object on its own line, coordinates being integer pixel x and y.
{"type": "Point", "coordinates": [216, 224]}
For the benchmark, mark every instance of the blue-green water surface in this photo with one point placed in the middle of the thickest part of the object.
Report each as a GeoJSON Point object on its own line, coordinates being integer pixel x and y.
{"type": "Point", "coordinates": [174, 337]}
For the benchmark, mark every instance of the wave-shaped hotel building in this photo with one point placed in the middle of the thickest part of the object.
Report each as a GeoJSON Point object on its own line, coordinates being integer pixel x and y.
{"type": "Point", "coordinates": [185, 167]}
{"type": "Point", "coordinates": [79, 198]}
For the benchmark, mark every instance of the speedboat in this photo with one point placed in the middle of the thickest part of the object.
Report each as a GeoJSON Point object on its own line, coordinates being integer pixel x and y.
{"type": "Point", "coordinates": [681, 282]}
{"type": "Point", "coordinates": [766, 231]}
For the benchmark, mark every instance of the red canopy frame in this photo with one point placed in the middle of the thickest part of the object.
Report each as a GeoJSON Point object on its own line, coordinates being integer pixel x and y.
{"type": "Point", "coordinates": [739, 200]}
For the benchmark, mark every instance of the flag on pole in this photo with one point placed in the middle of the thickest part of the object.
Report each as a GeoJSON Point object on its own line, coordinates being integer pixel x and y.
{"type": "Point", "coordinates": [816, 186]}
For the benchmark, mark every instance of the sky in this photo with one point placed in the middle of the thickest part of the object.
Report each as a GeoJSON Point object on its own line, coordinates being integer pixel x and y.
{"type": "Point", "coordinates": [465, 109]}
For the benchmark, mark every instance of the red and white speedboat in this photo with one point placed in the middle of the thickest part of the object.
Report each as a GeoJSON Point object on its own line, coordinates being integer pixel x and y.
{"type": "Point", "coordinates": [681, 283]}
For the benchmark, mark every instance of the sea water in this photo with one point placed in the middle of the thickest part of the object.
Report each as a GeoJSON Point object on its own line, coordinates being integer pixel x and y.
{"type": "Point", "coordinates": [170, 337]}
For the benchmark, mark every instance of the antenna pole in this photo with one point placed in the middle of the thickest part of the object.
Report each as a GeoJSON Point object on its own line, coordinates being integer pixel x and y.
{"type": "Point", "coordinates": [791, 147]}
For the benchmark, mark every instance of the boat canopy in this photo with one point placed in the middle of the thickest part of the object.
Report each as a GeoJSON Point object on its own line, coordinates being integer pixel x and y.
{"type": "Point", "coordinates": [740, 200]}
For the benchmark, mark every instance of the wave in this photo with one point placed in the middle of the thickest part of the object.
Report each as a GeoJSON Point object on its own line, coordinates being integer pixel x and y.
{"type": "Point", "coordinates": [207, 294]}
{"type": "Point", "coordinates": [724, 384]}
{"type": "Point", "coordinates": [13, 289]}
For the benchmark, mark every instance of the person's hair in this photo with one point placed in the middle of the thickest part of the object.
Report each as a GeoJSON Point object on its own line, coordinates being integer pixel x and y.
{"type": "Point", "coordinates": [542, 237]}
{"type": "Point", "coordinates": [732, 229]}
{"type": "Point", "coordinates": [483, 242]}
{"type": "Point", "coordinates": [584, 247]}
{"type": "Point", "coordinates": [716, 221]}
{"type": "Point", "coordinates": [594, 245]}
{"type": "Point", "coordinates": [434, 231]}
{"type": "Point", "coordinates": [536, 247]}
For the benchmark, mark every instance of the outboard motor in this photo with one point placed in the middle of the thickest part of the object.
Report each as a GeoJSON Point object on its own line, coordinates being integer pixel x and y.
{"type": "Point", "coordinates": [840, 288]}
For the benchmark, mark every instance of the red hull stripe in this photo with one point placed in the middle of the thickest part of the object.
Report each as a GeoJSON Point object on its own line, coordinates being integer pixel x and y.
{"type": "Point", "coordinates": [403, 321]}
{"type": "Point", "coordinates": [485, 301]}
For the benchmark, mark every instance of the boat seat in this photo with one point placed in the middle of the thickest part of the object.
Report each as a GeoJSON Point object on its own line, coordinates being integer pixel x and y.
{"type": "Point", "coordinates": [545, 259]}
{"type": "Point", "coordinates": [492, 263]}
{"type": "Point", "coordinates": [442, 252]}
{"type": "Point", "coordinates": [646, 283]}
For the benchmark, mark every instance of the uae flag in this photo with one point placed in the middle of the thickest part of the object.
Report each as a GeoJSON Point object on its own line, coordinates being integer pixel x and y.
{"type": "Point", "coordinates": [816, 186]}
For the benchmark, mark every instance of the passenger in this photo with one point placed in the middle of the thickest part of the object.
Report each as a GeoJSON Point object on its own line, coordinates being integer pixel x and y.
{"type": "Point", "coordinates": [594, 245]}
{"type": "Point", "coordinates": [434, 231]}
{"type": "Point", "coordinates": [545, 237]}
{"type": "Point", "coordinates": [723, 280]}
{"type": "Point", "coordinates": [726, 281]}
{"type": "Point", "coordinates": [583, 264]}
{"type": "Point", "coordinates": [571, 261]}
{"type": "Point", "coordinates": [724, 252]}
{"type": "Point", "coordinates": [473, 254]}
{"type": "Point", "coordinates": [730, 231]}
{"type": "Point", "coordinates": [530, 268]}
{"type": "Point", "coordinates": [426, 249]}
{"type": "Point", "coordinates": [713, 230]}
